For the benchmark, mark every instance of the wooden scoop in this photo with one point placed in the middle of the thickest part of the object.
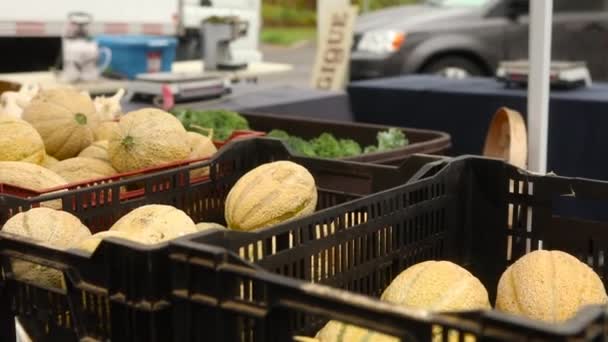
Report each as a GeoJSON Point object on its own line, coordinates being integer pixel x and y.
{"type": "Point", "coordinates": [507, 138]}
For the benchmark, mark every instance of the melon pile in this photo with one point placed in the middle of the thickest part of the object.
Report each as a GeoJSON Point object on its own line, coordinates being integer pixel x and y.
{"type": "Point", "coordinates": [78, 139]}
{"type": "Point", "coordinates": [550, 286]}
{"type": "Point", "coordinates": [149, 224]}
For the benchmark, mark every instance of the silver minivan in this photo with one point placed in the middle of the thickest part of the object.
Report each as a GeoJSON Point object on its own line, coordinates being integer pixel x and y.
{"type": "Point", "coordinates": [472, 36]}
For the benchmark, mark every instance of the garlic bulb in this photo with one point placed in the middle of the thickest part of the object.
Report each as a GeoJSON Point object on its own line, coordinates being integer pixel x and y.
{"type": "Point", "coordinates": [13, 102]}
{"type": "Point", "coordinates": [9, 105]}
{"type": "Point", "coordinates": [109, 107]}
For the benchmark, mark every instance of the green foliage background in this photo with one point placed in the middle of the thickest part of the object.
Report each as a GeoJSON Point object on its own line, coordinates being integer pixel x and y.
{"type": "Point", "coordinates": [303, 12]}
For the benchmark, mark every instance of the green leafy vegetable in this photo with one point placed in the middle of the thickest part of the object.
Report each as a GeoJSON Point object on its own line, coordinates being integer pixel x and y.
{"type": "Point", "coordinates": [301, 146]}
{"type": "Point", "coordinates": [370, 149]}
{"type": "Point", "coordinates": [326, 146]}
{"type": "Point", "coordinates": [223, 122]}
{"type": "Point", "coordinates": [391, 139]}
{"type": "Point", "coordinates": [277, 133]}
{"type": "Point", "coordinates": [349, 148]}
{"type": "Point", "coordinates": [297, 144]}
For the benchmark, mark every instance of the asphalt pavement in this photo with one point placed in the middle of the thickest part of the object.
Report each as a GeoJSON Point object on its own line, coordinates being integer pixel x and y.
{"type": "Point", "coordinates": [301, 57]}
{"type": "Point", "coordinates": [285, 93]}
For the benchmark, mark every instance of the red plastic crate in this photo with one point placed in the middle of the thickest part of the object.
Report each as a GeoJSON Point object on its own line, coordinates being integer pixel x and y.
{"type": "Point", "coordinates": [135, 189]}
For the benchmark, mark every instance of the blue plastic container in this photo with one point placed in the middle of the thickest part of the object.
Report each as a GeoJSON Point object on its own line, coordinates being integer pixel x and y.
{"type": "Point", "coordinates": [132, 55]}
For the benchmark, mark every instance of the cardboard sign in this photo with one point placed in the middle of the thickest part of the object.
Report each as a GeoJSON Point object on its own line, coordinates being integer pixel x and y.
{"type": "Point", "coordinates": [333, 48]}
{"type": "Point", "coordinates": [323, 8]}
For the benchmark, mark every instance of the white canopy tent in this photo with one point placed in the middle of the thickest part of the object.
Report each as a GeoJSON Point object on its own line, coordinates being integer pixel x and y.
{"type": "Point", "coordinates": [541, 17]}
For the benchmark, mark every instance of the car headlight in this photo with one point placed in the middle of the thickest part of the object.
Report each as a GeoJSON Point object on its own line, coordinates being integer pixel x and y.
{"type": "Point", "coordinates": [381, 41]}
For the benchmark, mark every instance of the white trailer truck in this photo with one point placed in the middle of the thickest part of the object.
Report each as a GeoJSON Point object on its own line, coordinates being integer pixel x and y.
{"type": "Point", "coordinates": [31, 30]}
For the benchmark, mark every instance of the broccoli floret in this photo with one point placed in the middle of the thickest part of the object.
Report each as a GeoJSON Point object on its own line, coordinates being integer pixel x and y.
{"type": "Point", "coordinates": [391, 139]}
{"type": "Point", "coordinates": [370, 149]}
{"type": "Point", "coordinates": [180, 114]}
{"type": "Point", "coordinates": [349, 148]}
{"type": "Point", "coordinates": [301, 146]}
{"type": "Point", "coordinates": [277, 133]}
{"type": "Point", "coordinates": [223, 122]}
{"type": "Point", "coordinates": [298, 145]}
{"type": "Point", "coordinates": [326, 146]}
{"type": "Point", "coordinates": [184, 116]}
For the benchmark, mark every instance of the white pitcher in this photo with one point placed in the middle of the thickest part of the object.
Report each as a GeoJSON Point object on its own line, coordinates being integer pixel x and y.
{"type": "Point", "coordinates": [81, 60]}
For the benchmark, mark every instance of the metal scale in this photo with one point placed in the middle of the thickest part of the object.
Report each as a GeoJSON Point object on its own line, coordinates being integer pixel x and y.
{"type": "Point", "coordinates": [563, 75]}
{"type": "Point", "coordinates": [165, 89]}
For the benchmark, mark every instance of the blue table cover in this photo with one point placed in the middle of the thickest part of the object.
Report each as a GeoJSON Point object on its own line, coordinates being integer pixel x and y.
{"type": "Point", "coordinates": [578, 119]}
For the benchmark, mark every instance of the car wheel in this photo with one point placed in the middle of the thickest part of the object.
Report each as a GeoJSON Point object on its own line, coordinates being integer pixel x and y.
{"type": "Point", "coordinates": [453, 67]}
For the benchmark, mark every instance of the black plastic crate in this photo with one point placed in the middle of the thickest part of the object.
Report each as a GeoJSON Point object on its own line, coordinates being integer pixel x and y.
{"type": "Point", "coordinates": [420, 140]}
{"type": "Point", "coordinates": [122, 291]}
{"type": "Point", "coordinates": [480, 213]}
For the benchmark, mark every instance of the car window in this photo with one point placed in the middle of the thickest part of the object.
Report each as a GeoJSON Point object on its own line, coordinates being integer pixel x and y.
{"type": "Point", "coordinates": [579, 5]}
{"type": "Point", "coordinates": [559, 6]}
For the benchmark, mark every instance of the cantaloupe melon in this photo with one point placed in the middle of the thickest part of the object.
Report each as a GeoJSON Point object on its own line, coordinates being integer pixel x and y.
{"type": "Point", "coordinates": [32, 177]}
{"type": "Point", "coordinates": [53, 228]}
{"type": "Point", "coordinates": [550, 286]}
{"type": "Point", "coordinates": [270, 194]}
{"type": "Point", "coordinates": [200, 147]}
{"type": "Point", "coordinates": [304, 339]}
{"type": "Point", "coordinates": [335, 331]}
{"type": "Point", "coordinates": [65, 120]}
{"type": "Point", "coordinates": [19, 141]}
{"type": "Point", "coordinates": [202, 226]}
{"type": "Point", "coordinates": [97, 150]}
{"type": "Point", "coordinates": [437, 286]}
{"type": "Point", "coordinates": [49, 161]}
{"type": "Point", "coordinates": [105, 129]}
{"type": "Point", "coordinates": [155, 223]}
{"type": "Point", "coordinates": [90, 244]}
{"type": "Point", "coordinates": [79, 169]}
{"type": "Point", "coordinates": [29, 176]}
{"type": "Point", "coordinates": [146, 138]}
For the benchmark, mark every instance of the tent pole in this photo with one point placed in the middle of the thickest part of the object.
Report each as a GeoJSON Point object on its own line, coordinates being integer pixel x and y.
{"type": "Point", "coordinates": [541, 13]}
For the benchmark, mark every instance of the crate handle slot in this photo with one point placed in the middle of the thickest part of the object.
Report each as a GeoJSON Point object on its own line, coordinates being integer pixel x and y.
{"type": "Point", "coordinates": [44, 256]}
{"type": "Point", "coordinates": [429, 170]}
{"type": "Point", "coordinates": [12, 247]}
{"type": "Point", "coordinates": [66, 271]}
